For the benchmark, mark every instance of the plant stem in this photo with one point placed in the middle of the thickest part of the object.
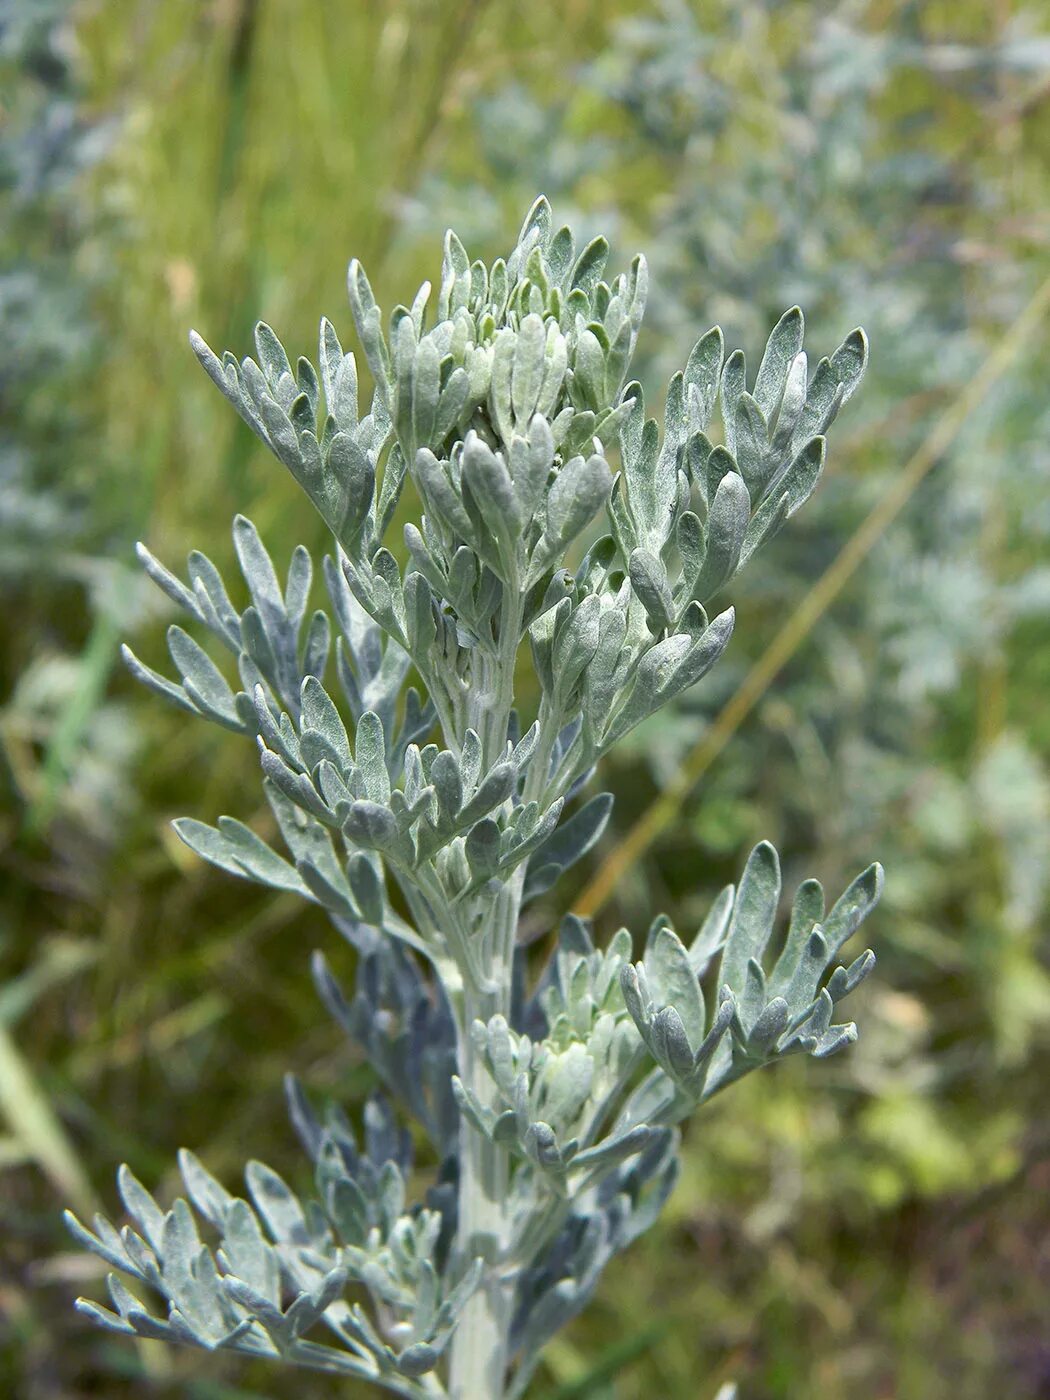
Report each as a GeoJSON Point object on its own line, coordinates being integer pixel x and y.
{"type": "Point", "coordinates": [478, 1365]}
{"type": "Point", "coordinates": [479, 1347]}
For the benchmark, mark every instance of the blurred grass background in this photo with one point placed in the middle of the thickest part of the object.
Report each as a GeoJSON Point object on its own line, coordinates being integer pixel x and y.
{"type": "Point", "coordinates": [877, 1226]}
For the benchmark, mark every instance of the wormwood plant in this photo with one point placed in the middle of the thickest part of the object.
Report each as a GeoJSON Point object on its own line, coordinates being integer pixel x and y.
{"type": "Point", "coordinates": [424, 818]}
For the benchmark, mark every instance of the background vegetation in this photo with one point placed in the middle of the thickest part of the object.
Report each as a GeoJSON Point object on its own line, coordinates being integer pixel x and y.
{"type": "Point", "coordinates": [875, 1227]}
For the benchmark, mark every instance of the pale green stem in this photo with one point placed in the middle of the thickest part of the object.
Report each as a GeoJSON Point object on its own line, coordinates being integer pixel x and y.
{"type": "Point", "coordinates": [479, 1347]}
{"type": "Point", "coordinates": [479, 1358]}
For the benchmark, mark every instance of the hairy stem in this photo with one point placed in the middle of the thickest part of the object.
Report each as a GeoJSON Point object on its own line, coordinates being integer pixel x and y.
{"type": "Point", "coordinates": [479, 1347]}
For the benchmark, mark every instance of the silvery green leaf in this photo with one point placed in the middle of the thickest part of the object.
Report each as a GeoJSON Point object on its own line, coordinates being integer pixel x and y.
{"type": "Point", "coordinates": [614, 1149]}
{"type": "Point", "coordinates": [712, 933]}
{"type": "Point", "coordinates": [637, 998]}
{"type": "Point", "coordinates": [132, 1311]}
{"type": "Point", "coordinates": [366, 318]}
{"type": "Point", "coordinates": [371, 826]}
{"type": "Point", "coordinates": [501, 406]}
{"type": "Point", "coordinates": [233, 847]}
{"type": "Point", "coordinates": [801, 477]}
{"type": "Point", "coordinates": [536, 228]}
{"type": "Point", "coordinates": [480, 1118]}
{"type": "Point", "coordinates": [493, 496]}
{"type": "Point", "coordinates": [617, 360]}
{"type": "Point", "coordinates": [208, 1196]}
{"type": "Point", "coordinates": [807, 910]}
{"type": "Point", "coordinates": [671, 1043]}
{"type": "Point", "coordinates": [419, 307]}
{"type": "Point", "coordinates": [765, 523]}
{"type": "Point", "coordinates": [671, 666]}
{"type": "Point", "coordinates": [643, 476]}
{"type": "Point", "coordinates": [298, 787]}
{"type": "Point", "coordinates": [608, 669]}
{"type": "Point", "coordinates": [156, 682]}
{"type": "Point", "coordinates": [816, 1019]}
{"type": "Point", "coordinates": [724, 535]}
{"type": "Point", "coordinates": [482, 848]}
{"type": "Point", "coordinates": [202, 681]}
{"type": "Point", "coordinates": [390, 491]}
{"type": "Point", "coordinates": [834, 381]}
{"type": "Point", "coordinates": [561, 256]}
{"type": "Point", "coordinates": [418, 1359]}
{"type": "Point", "coordinates": [768, 1027]}
{"type": "Point", "coordinates": [419, 614]}
{"type": "Point", "coordinates": [315, 647]}
{"type": "Point", "coordinates": [531, 459]}
{"type": "Point", "coordinates": [276, 1204]}
{"type": "Point", "coordinates": [621, 519]}
{"type": "Point", "coordinates": [589, 372]}
{"type": "Point", "coordinates": [104, 1241]}
{"type": "Point", "coordinates": [494, 789]}
{"type": "Point", "coordinates": [445, 776]}
{"type": "Point", "coordinates": [833, 1040]}
{"type": "Point", "coordinates": [366, 884]}
{"type": "Point", "coordinates": [566, 1085]}
{"type": "Point", "coordinates": [783, 345]}
{"type": "Point", "coordinates": [578, 492]}
{"type": "Point", "coordinates": [702, 373]}
{"type": "Point", "coordinates": [272, 357]}
{"type": "Point", "coordinates": [281, 435]}
{"type": "Point", "coordinates": [227, 383]}
{"type": "Point", "coordinates": [845, 979]}
{"type": "Point", "coordinates": [541, 641]}
{"type": "Point", "coordinates": [650, 583]}
{"type": "Point", "coordinates": [142, 1208]}
{"type": "Point", "coordinates": [103, 1318]}
{"type": "Point", "coordinates": [440, 494]}
{"type": "Point", "coordinates": [568, 844]}
{"type": "Point", "coordinates": [689, 539]}
{"type": "Point", "coordinates": [259, 573]}
{"type": "Point", "coordinates": [575, 643]}
{"type": "Point", "coordinates": [733, 384]}
{"type": "Point", "coordinates": [751, 444]}
{"type": "Point", "coordinates": [540, 1143]}
{"type": "Point", "coordinates": [297, 587]}
{"type": "Point", "coordinates": [354, 479]}
{"type": "Point", "coordinates": [455, 267]}
{"type": "Point", "coordinates": [753, 913]}
{"type": "Point", "coordinates": [330, 357]}
{"type": "Point", "coordinates": [708, 465]}
{"type": "Point", "coordinates": [853, 907]}
{"type": "Point", "coordinates": [674, 983]}
{"type": "Point", "coordinates": [370, 757]}
{"type": "Point", "coordinates": [308, 1307]}
{"type": "Point", "coordinates": [470, 759]}
{"type": "Point", "coordinates": [452, 405]}
{"type": "Point", "coordinates": [165, 580]}
{"type": "Point", "coordinates": [574, 430]}
{"type": "Point", "coordinates": [319, 713]}
{"type": "Point", "coordinates": [589, 266]}
{"type": "Point", "coordinates": [850, 361]}
{"type": "Point", "coordinates": [749, 998]}
{"type": "Point", "coordinates": [528, 368]}
{"type": "Point", "coordinates": [809, 968]}
{"type": "Point", "coordinates": [791, 405]}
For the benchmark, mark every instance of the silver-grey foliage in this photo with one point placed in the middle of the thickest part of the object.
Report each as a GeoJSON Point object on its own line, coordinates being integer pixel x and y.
{"type": "Point", "coordinates": [424, 822]}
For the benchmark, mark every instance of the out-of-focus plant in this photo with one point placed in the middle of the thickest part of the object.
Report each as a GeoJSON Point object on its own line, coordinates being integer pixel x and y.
{"type": "Point", "coordinates": [552, 1110]}
{"type": "Point", "coordinates": [66, 751]}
